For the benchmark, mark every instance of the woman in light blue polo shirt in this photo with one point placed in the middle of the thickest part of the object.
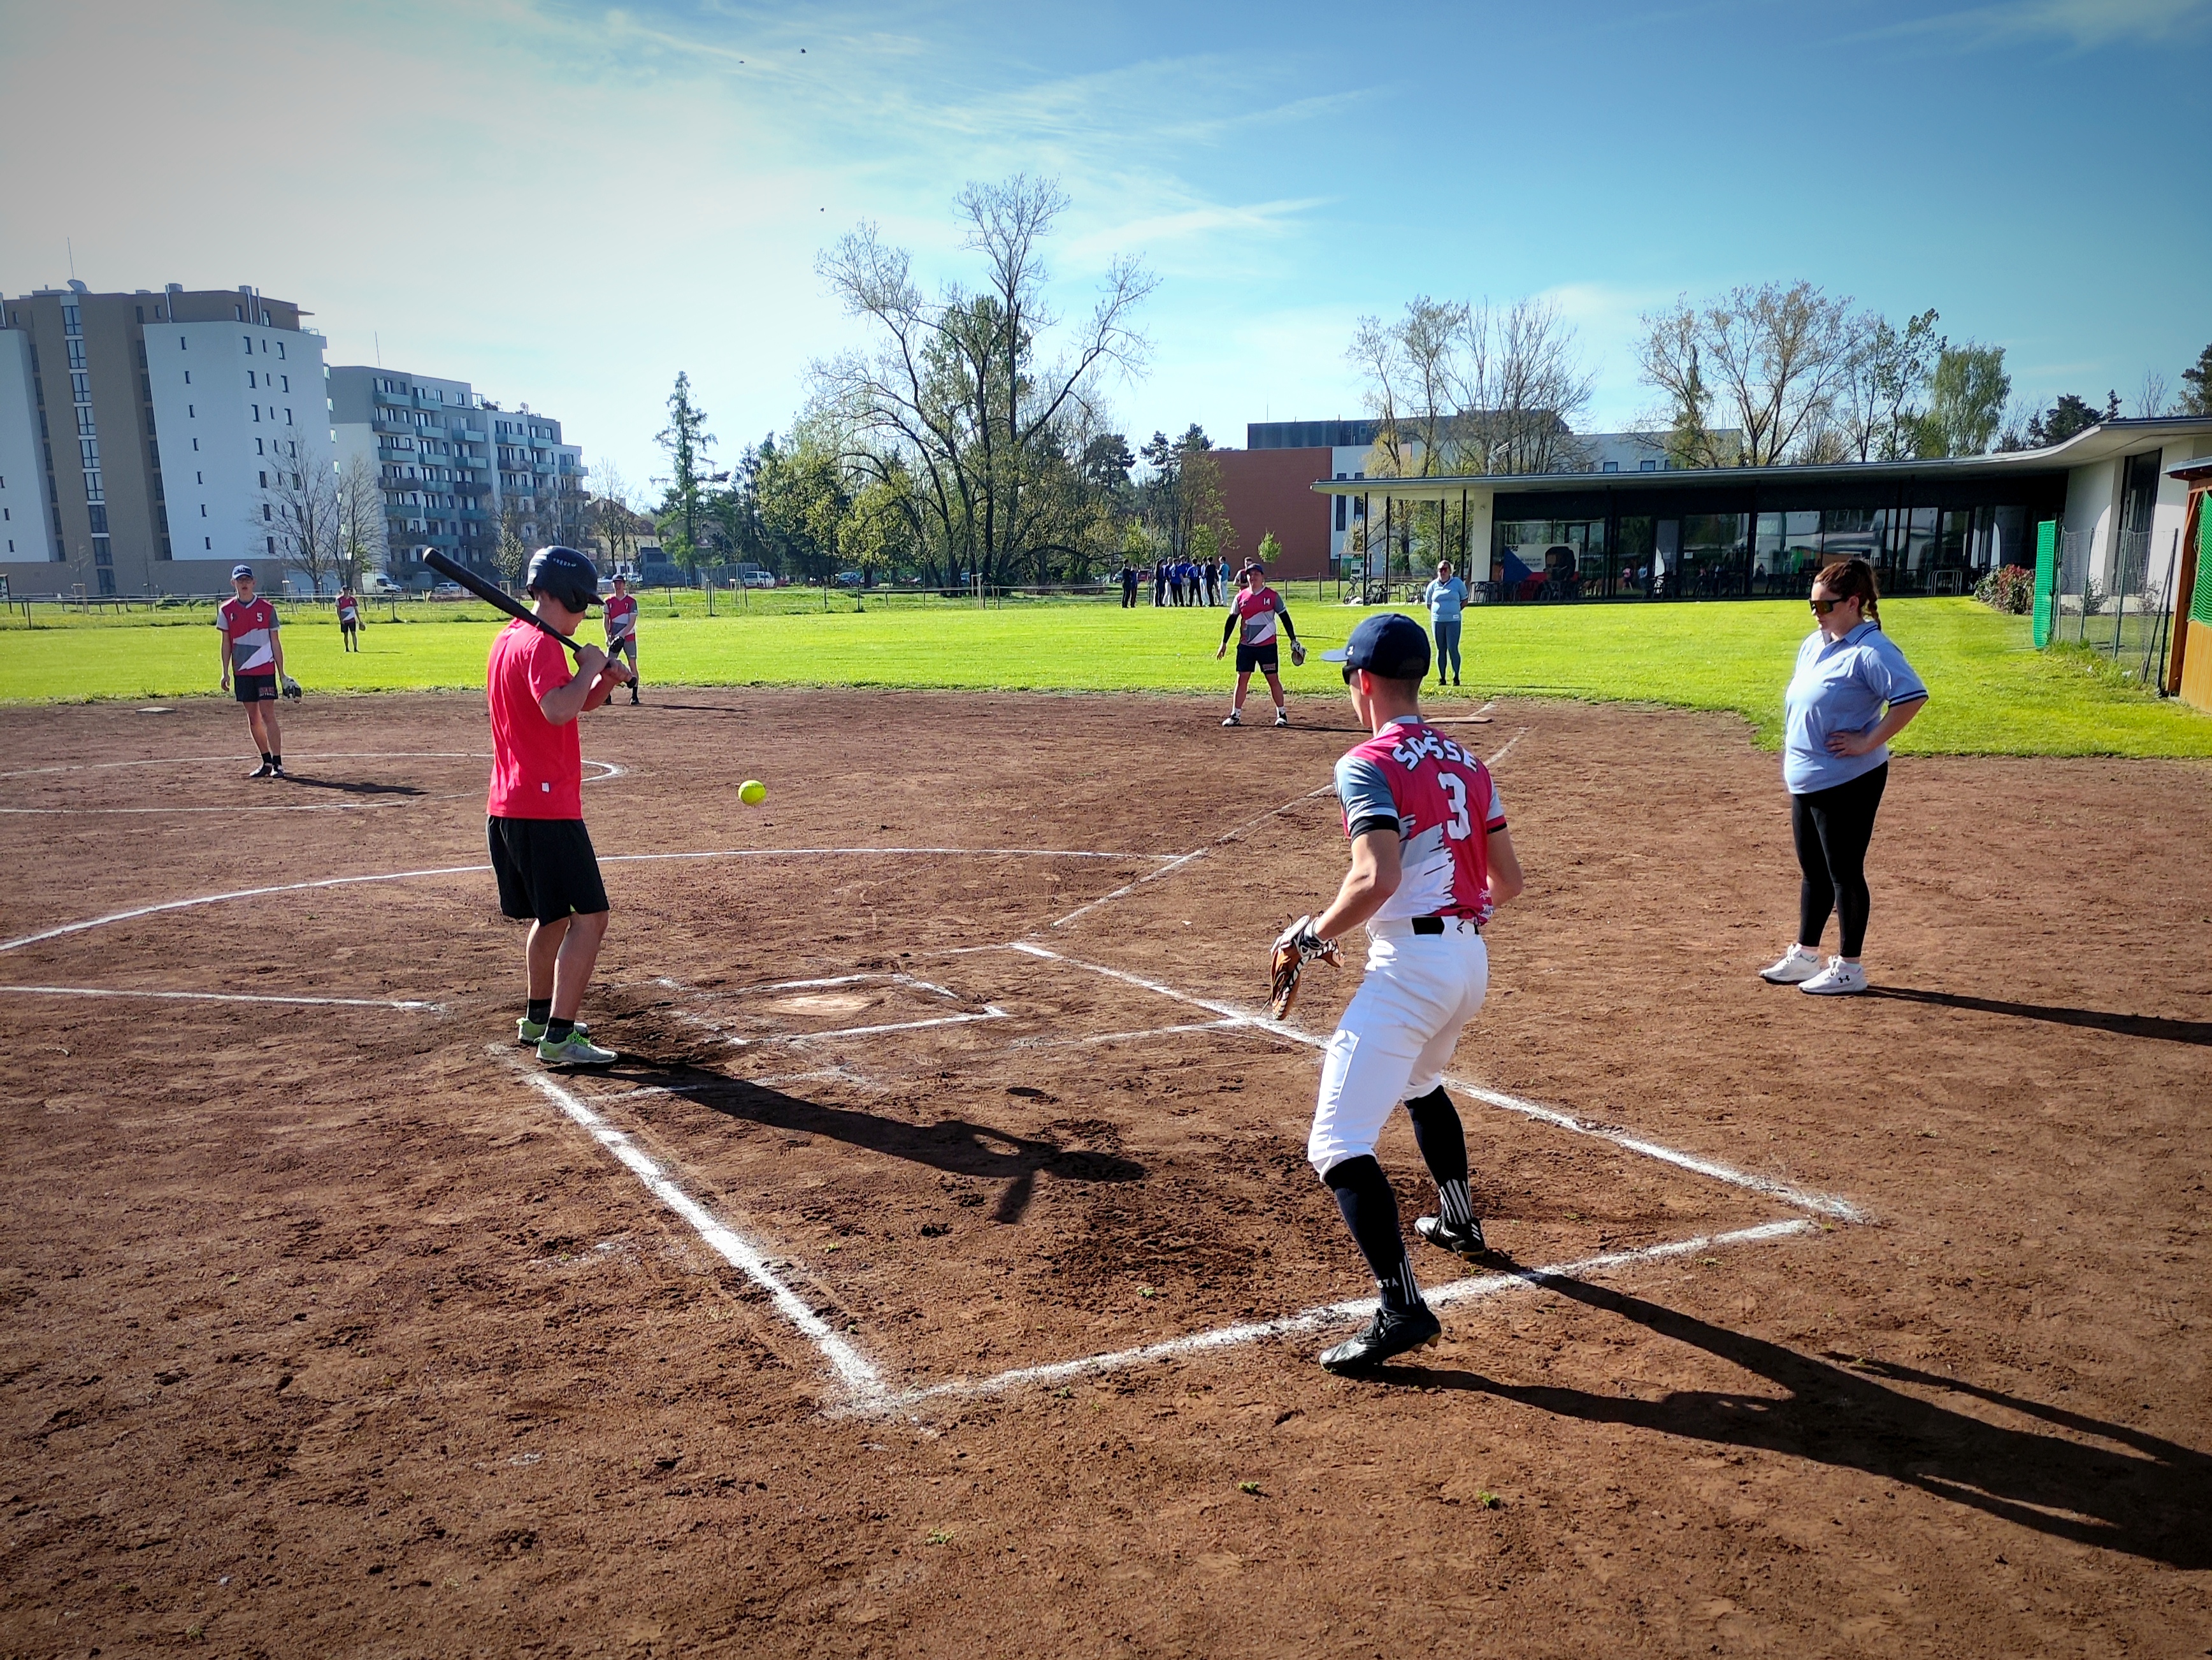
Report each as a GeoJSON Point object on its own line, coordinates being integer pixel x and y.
{"type": "Point", "coordinates": [1446, 599]}
{"type": "Point", "coordinates": [1853, 692]}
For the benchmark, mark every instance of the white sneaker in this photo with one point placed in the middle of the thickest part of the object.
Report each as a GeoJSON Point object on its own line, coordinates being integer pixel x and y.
{"type": "Point", "coordinates": [1796, 966]}
{"type": "Point", "coordinates": [1839, 979]}
{"type": "Point", "coordinates": [1234, 720]}
{"type": "Point", "coordinates": [1282, 717]}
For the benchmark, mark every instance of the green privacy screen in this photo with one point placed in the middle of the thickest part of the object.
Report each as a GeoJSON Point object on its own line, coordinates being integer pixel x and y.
{"type": "Point", "coordinates": [2046, 579]}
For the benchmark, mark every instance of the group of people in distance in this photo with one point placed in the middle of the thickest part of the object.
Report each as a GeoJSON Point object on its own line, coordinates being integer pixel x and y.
{"type": "Point", "coordinates": [1177, 581]}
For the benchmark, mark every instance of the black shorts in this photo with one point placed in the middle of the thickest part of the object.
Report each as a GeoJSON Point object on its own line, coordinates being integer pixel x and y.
{"type": "Point", "coordinates": [1261, 658]}
{"type": "Point", "coordinates": [546, 869]}
{"type": "Point", "coordinates": [254, 688]}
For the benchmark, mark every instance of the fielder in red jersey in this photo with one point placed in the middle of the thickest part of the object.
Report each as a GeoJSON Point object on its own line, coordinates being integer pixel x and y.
{"type": "Point", "coordinates": [253, 656]}
{"type": "Point", "coordinates": [620, 612]}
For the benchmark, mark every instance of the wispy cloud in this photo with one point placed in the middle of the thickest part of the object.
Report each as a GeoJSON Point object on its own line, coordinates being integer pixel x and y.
{"type": "Point", "coordinates": [2084, 25]}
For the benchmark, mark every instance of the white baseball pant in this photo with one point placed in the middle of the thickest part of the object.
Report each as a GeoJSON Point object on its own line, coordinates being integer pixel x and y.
{"type": "Point", "coordinates": [1397, 1034]}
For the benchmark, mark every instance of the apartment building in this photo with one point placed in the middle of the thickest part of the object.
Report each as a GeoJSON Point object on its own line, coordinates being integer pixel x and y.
{"type": "Point", "coordinates": [145, 430]}
{"type": "Point", "coordinates": [454, 466]}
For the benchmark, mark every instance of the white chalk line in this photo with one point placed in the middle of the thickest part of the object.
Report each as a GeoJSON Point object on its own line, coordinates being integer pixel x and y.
{"type": "Point", "coordinates": [1800, 1198]}
{"type": "Point", "coordinates": [612, 770]}
{"type": "Point", "coordinates": [228, 997]}
{"type": "Point", "coordinates": [1317, 1319]}
{"type": "Point", "coordinates": [821, 982]}
{"type": "Point", "coordinates": [1507, 748]}
{"type": "Point", "coordinates": [862, 1382]}
{"type": "Point", "coordinates": [305, 806]}
{"type": "Point", "coordinates": [990, 1012]}
{"type": "Point", "coordinates": [1125, 1037]}
{"type": "Point", "coordinates": [1179, 860]}
{"type": "Point", "coordinates": [136, 912]}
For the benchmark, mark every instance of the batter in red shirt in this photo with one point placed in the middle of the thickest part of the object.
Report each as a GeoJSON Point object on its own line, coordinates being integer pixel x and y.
{"type": "Point", "coordinates": [620, 612]}
{"type": "Point", "coordinates": [541, 854]}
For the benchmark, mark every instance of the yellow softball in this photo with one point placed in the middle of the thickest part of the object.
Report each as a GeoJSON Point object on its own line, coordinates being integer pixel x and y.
{"type": "Point", "coordinates": [752, 792]}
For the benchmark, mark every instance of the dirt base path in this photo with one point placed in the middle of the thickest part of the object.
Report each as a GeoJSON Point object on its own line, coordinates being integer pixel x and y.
{"type": "Point", "coordinates": [1879, 1325]}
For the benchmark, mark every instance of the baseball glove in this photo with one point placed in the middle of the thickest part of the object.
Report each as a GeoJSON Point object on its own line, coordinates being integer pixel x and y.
{"type": "Point", "coordinates": [1296, 947]}
{"type": "Point", "coordinates": [291, 688]}
{"type": "Point", "coordinates": [1297, 653]}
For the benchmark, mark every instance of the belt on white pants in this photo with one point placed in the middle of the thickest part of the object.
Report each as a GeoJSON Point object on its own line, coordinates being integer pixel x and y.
{"type": "Point", "coordinates": [1400, 928]}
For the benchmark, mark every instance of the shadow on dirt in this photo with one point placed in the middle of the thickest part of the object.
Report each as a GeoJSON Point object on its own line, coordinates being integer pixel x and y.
{"type": "Point", "coordinates": [2127, 1026]}
{"type": "Point", "coordinates": [352, 787]}
{"type": "Point", "coordinates": [952, 1145]}
{"type": "Point", "coordinates": [2141, 1495]}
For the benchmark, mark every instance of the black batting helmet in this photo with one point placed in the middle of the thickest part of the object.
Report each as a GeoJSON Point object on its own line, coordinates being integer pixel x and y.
{"type": "Point", "coordinates": [564, 575]}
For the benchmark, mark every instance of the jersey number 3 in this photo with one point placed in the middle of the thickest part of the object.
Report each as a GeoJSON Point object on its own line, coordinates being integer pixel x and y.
{"type": "Point", "coordinates": [1458, 825]}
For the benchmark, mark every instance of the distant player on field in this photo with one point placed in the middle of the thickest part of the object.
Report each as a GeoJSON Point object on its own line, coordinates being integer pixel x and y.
{"type": "Point", "coordinates": [620, 615]}
{"type": "Point", "coordinates": [253, 658]}
{"type": "Point", "coordinates": [1431, 859]}
{"type": "Point", "coordinates": [540, 852]}
{"type": "Point", "coordinates": [1252, 615]}
{"type": "Point", "coordinates": [349, 618]}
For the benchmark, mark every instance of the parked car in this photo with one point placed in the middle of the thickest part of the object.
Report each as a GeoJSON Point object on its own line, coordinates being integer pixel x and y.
{"type": "Point", "coordinates": [446, 591]}
{"type": "Point", "coordinates": [380, 583]}
{"type": "Point", "coordinates": [848, 579]}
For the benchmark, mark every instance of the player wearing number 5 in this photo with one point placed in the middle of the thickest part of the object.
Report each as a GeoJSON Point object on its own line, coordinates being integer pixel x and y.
{"type": "Point", "coordinates": [1852, 693]}
{"type": "Point", "coordinates": [1431, 860]}
{"type": "Point", "coordinates": [253, 658]}
{"type": "Point", "coordinates": [620, 613]}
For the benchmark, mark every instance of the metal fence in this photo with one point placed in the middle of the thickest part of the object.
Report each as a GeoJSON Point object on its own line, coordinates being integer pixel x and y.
{"type": "Point", "coordinates": [2126, 615]}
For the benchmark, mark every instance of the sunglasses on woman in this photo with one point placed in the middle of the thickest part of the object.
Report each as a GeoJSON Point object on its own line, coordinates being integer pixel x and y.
{"type": "Point", "coordinates": [1822, 607]}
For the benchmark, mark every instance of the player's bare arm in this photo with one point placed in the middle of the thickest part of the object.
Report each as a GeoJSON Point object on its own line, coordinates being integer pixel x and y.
{"type": "Point", "coordinates": [1505, 881]}
{"type": "Point", "coordinates": [1372, 878]}
{"type": "Point", "coordinates": [564, 703]}
{"type": "Point", "coordinates": [223, 656]}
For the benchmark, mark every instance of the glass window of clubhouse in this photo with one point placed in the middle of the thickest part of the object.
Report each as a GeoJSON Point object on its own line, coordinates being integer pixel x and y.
{"type": "Point", "coordinates": [1714, 540]}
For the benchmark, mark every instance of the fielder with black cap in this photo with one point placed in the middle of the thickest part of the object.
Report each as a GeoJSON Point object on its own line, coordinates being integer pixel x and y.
{"type": "Point", "coordinates": [253, 653]}
{"type": "Point", "coordinates": [541, 854]}
{"type": "Point", "coordinates": [1431, 860]}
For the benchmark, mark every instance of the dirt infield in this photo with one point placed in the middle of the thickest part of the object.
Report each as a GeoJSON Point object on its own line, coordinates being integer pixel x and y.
{"type": "Point", "coordinates": [939, 1273]}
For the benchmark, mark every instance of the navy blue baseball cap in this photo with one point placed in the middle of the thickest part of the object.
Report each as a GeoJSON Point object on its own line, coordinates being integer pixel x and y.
{"type": "Point", "coordinates": [1388, 643]}
{"type": "Point", "coordinates": [245, 571]}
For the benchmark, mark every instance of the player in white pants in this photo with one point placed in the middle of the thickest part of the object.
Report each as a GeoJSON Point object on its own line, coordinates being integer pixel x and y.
{"type": "Point", "coordinates": [1431, 858]}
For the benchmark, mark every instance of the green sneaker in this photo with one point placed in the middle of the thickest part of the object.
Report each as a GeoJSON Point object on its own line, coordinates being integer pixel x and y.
{"type": "Point", "coordinates": [528, 1032]}
{"type": "Point", "coordinates": [575, 1050]}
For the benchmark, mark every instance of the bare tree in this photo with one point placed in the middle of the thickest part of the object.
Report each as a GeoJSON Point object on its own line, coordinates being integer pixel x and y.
{"type": "Point", "coordinates": [2150, 401]}
{"type": "Point", "coordinates": [361, 535]}
{"type": "Point", "coordinates": [955, 394]}
{"type": "Point", "coordinates": [1773, 357]}
{"type": "Point", "coordinates": [1884, 371]}
{"type": "Point", "coordinates": [517, 529]}
{"type": "Point", "coordinates": [297, 516]}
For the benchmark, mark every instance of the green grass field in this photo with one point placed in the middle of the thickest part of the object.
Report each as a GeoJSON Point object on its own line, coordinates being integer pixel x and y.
{"type": "Point", "coordinates": [1993, 694]}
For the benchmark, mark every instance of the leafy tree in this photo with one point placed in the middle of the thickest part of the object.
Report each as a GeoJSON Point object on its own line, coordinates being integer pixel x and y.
{"type": "Point", "coordinates": [803, 498]}
{"type": "Point", "coordinates": [2068, 415]}
{"type": "Point", "coordinates": [1886, 370]}
{"type": "Point", "coordinates": [686, 440]}
{"type": "Point", "coordinates": [1966, 400]}
{"type": "Point", "coordinates": [1107, 462]}
{"type": "Point", "coordinates": [2196, 386]}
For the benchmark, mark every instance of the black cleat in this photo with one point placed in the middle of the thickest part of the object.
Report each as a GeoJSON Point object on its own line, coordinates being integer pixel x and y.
{"type": "Point", "coordinates": [1465, 1242]}
{"type": "Point", "coordinates": [262, 771]}
{"type": "Point", "coordinates": [277, 769]}
{"type": "Point", "coordinates": [1386, 1334]}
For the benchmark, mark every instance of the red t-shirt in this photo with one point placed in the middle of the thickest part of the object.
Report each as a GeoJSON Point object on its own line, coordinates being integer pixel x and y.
{"type": "Point", "coordinates": [253, 631]}
{"type": "Point", "coordinates": [620, 611]}
{"type": "Point", "coordinates": [537, 768]}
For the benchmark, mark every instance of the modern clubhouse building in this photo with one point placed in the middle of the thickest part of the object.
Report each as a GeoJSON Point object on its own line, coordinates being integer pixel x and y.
{"type": "Point", "coordinates": [1633, 527]}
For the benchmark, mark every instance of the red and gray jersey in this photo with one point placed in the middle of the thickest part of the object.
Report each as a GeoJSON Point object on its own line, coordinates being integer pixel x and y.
{"type": "Point", "coordinates": [1255, 610]}
{"type": "Point", "coordinates": [349, 611]}
{"type": "Point", "coordinates": [252, 631]}
{"type": "Point", "coordinates": [1444, 806]}
{"type": "Point", "coordinates": [620, 610]}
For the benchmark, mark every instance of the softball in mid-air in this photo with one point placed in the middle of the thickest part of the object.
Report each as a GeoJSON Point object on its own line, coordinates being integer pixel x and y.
{"type": "Point", "coordinates": [752, 792]}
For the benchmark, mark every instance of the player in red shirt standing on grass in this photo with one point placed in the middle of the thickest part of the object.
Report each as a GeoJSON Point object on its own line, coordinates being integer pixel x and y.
{"type": "Point", "coordinates": [349, 618]}
{"type": "Point", "coordinates": [620, 612]}
{"type": "Point", "coordinates": [540, 852]}
{"type": "Point", "coordinates": [253, 658]}
{"type": "Point", "coordinates": [1251, 618]}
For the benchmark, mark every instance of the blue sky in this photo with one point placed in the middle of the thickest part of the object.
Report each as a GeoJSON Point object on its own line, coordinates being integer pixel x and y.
{"type": "Point", "coordinates": [566, 203]}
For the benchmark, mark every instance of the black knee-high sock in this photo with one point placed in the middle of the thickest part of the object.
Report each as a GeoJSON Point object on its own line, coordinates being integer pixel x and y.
{"type": "Point", "coordinates": [1371, 1211]}
{"type": "Point", "coordinates": [1442, 1141]}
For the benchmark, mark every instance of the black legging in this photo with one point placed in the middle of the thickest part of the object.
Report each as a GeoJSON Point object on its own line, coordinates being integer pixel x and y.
{"type": "Point", "coordinates": [1833, 828]}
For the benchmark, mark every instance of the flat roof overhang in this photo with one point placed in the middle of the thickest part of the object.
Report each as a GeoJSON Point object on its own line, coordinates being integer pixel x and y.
{"type": "Point", "coordinates": [2096, 443]}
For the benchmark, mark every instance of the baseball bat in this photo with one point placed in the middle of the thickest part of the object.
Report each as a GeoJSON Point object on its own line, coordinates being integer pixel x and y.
{"type": "Point", "coordinates": [493, 596]}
